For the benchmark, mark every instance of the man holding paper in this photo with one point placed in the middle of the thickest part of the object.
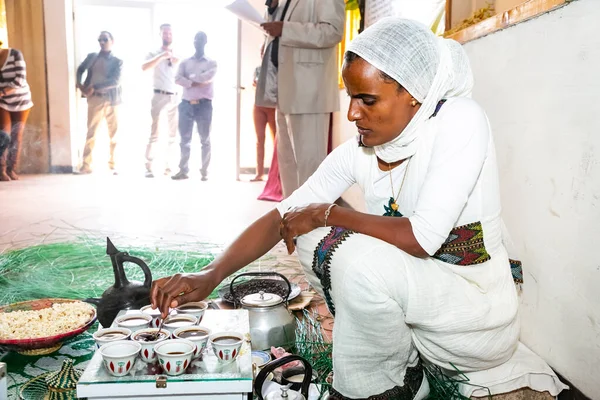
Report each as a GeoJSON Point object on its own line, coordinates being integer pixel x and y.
{"type": "Point", "coordinates": [299, 77]}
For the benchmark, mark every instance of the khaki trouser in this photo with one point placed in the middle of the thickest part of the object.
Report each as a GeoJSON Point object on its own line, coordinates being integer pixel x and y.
{"type": "Point", "coordinates": [301, 147]}
{"type": "Point", "coordinates": [98, 109]}
{"type": "Point", "coordinates": [168, 104]}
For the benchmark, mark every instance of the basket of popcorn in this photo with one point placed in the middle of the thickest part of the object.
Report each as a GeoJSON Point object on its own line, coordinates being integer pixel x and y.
{"type": "Point", "coordinates": [40, 327]}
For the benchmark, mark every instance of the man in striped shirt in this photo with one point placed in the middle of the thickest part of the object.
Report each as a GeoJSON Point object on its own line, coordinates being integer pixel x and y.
{"type": "Point", "coordinates": [15, 103]}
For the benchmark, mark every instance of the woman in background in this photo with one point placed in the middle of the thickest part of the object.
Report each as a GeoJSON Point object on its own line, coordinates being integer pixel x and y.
{"type": "Point", "coordinates": [4, 142]}
{"type": "Point", "coordinates": [263, 116]}
{"type": "Point", "coordinates": [15, 103]}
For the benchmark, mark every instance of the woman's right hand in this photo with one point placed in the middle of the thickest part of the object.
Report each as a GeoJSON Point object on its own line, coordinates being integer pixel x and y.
{"type": "Point", "coordinates": [254, 242]}
{"type": "Point", "coordinates": [171, 292]}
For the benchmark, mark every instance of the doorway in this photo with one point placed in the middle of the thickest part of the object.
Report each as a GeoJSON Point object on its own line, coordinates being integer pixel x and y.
{"type": "Point", "coordinates": [135, 26]}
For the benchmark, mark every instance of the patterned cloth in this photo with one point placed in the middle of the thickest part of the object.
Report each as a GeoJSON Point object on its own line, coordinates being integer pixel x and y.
{"type": "Point", "coordinates": [14, 75]}
{"type": "Point", "coordinates": [22, 368]}
{"type": "Point", "coordinates": [464, 246]}
{"type": "Point", "coordinates": [322, 257]}
{"type": "Point", "coordinates": [516, 267]}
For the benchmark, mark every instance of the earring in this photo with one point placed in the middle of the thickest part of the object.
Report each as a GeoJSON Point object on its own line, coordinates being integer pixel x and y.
{"type": "Point", "coordinates": [413, 103]}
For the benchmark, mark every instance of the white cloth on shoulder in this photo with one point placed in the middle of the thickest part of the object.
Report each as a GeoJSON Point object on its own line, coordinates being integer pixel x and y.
{"type": "Point", "coordinates": [430, 68]}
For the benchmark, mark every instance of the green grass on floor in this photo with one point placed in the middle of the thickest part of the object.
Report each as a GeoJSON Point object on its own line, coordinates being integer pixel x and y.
{"type": "Point", "coordinates": [81, 268]}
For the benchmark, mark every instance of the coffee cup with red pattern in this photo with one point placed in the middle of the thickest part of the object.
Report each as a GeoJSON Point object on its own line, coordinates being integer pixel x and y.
{"type": "Point", "coordinates": [119, 357]}
{"type": "Point", "coordinates": [226, 345]}
{"type": "Point", "coordinates": [175, 356]}
{"type": "Point", "coordinates": [148, 338]}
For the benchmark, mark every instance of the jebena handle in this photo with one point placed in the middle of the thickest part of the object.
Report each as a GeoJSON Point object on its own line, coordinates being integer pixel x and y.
{"type": "Point", "coordinates": [270, 367]}
{"type": "Point", "coordinates": [138, 261]}
{"type": "Point", "coordinates": [231, 287]}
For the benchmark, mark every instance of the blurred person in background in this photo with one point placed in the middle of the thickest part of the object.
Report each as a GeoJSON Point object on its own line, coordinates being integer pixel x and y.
{"type": "Point", "coordinates": [262, 117]}
{"type": "Point", "coordinates": [15, 104]}
{"type": "Point", "coordinates": [196, 76]}
{"type": "Point", "coordinates": [299, 76]}
{"type": "Point", "coordinates": [165, 100]}
{"type": "Point", "coordinates": [102, 88]}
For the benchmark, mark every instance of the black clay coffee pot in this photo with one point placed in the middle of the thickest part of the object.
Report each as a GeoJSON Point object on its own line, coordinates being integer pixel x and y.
{"type": "Point", "coordinates": [123, 294]}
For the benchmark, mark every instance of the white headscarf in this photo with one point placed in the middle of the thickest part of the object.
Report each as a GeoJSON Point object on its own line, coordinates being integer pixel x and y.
{"type": "Point", "coordinates": [430, 68]}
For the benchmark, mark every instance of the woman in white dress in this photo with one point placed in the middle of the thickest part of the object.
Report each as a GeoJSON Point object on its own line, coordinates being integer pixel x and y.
{"type": "Point", "coordinates": [432, 283]}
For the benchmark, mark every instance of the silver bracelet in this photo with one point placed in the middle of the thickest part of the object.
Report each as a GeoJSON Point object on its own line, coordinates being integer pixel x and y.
{"type": "Point", "coordinates": [328, 211]}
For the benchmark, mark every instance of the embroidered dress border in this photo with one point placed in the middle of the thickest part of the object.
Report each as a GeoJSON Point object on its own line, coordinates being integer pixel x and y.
{"type": "Point", "coordinates": [464, 246]}
{"type": "Point", "coordinates": [516, 267]}
{"type": "Point", "coordinates": [322, 259]}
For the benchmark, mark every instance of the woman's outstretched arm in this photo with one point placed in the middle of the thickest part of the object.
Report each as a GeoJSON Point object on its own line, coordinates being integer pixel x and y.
{"type": "Point", "coordinates": [254, 242]}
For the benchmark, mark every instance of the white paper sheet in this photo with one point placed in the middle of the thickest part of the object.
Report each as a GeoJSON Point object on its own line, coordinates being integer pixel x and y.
{"type": "Point", "coordinates": [244, 11]}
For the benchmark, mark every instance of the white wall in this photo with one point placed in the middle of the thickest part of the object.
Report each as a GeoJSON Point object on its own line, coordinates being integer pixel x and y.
{"type": "Point", "coordinates": [58, 16]}
{"type": "Point", "coordinates": [540, 85]}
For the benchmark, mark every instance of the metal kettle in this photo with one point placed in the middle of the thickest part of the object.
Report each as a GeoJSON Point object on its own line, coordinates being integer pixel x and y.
{"type": "Point", "coordinates": [271, 323]}
{"type": "Point", "coordinates": [123, 294]}
{"type": "Point", "coordinates": [286, 393]}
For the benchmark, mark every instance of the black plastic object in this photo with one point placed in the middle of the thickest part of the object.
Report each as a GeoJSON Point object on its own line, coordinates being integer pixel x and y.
{"type": "Point", "coordinates": [270, 367]}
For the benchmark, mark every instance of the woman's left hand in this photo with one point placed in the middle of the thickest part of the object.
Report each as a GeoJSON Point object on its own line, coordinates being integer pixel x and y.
{"type": "Point", "coordinates": [299, 221]}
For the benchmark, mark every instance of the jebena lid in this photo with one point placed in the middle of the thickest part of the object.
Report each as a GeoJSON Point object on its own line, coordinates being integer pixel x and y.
{"type": "Point", "coordinates": [262, 299]}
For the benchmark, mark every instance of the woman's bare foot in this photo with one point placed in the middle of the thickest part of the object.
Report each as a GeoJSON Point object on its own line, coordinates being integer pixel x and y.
{"type": "Point", "coordinates": [13, 175]}
{"type": "Point", "coordinates": [4, 177]}
{"type": "Point", "coordinates": [257, 178]}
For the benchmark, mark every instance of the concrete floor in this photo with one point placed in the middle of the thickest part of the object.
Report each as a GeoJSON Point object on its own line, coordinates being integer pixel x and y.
{"type": "Point", "coordinates": [134, 210]}
{"type": "Point", "coordinates": [56, 207]}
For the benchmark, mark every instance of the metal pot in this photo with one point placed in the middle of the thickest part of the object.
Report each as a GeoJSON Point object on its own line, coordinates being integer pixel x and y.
{"type": "Point", "coordinates": [271, 323]}
{"type": "Point", "coordinates": [286, 393]}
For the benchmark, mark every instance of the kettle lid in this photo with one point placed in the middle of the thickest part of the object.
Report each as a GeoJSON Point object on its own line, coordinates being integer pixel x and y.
{"type": "Point", "coordinates": [261, 299]}
{"type": "Point", "coordinates": [286, 394]}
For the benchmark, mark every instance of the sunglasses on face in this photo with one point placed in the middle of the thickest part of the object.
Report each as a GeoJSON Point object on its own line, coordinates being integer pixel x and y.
{"type": "Point", "coordinates": [103, 40]}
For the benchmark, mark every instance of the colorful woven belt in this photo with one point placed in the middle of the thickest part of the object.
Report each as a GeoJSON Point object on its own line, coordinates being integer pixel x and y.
{"type": "Point", "coordinates": [322, 258]}
{"type": "Point", "coordinates": [464, 246]}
